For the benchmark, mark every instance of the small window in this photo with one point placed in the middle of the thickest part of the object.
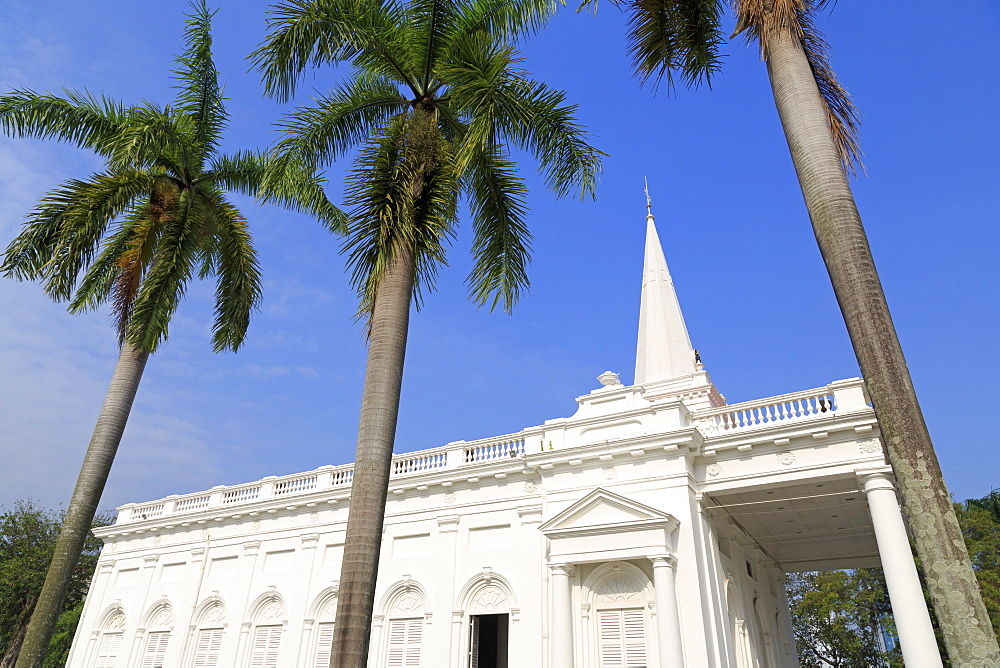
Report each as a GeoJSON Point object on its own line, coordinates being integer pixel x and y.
{"type": "Point", "coordinates": [404, 642]}
{"type": "Point", "coordinates": [266, 641]}
{"type": "Point", "coordinates": [156, 649]}
{"type": "Point", "coordinates": [324, 645]}
{"type": "Point", "coordinates": [749, 569]}
{"type": "Point", "coordinates": [107, 654]}
{"type": "Point", "coordinates": [206, 653]}
{"type": "Point", "coordinates": [622, 638]}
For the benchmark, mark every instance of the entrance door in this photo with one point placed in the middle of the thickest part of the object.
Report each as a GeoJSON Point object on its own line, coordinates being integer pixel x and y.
{"type": "Point", "coordinates": [488, 641]}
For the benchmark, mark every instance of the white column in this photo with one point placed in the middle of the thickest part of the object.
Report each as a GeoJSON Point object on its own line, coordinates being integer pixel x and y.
{"type": "Point", "coordinates": [561, 640]}
{"type": "Point", "coordinates": [913, 623]}
{"type": "Point", "coordinates": [668, 622]}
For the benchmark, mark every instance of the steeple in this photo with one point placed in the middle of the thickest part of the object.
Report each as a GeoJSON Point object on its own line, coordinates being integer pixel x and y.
{"type": "Point", "coordinates": [664, 349]}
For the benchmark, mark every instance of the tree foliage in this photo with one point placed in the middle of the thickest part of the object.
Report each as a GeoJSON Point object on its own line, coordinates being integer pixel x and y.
{"type": "Point", "coordinates": [839, 617]}
{"type": "Point", "coordinates": [980, 520]}
{"type": "Point", "coordinates": [28, 535]}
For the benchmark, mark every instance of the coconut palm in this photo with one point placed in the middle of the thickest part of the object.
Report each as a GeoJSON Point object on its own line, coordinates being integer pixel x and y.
{"type": "Point", "coordinates": [133, 235]}
{"type": "Point", "coordinates": [435, 101]}
{"type": "Point", "coordinates": [681, 40]}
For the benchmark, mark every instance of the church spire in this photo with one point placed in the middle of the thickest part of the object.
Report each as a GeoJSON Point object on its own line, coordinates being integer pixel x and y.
{"type": "Point", "coordinates": [664, 348]}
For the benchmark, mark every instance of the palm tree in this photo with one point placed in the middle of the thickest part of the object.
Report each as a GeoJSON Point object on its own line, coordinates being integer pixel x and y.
{"type": "Point", "coordinates": [434, 101]}
{"type": "Point", "coordinates": [137, 232]}
{"type": "Point", "coordinates": [682, 38]}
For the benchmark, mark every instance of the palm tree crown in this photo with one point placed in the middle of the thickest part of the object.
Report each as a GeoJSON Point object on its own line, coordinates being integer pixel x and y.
{"type": "Point", "coordinates": [135, 233]}
{"type": "Point", "coordinates": [436, 100]}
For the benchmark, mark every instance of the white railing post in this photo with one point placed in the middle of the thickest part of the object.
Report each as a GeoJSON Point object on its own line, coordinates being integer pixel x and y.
{"type": "Point", "coordinates": [849, 395]}
{"type": "Point", "coordinates": [454, 454]}
{"type": "Point", "coordinates": [267, 487]}
{"type": "Point", "coordinates": [324, 476]}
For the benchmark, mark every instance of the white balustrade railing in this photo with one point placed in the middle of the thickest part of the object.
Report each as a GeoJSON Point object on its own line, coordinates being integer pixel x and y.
{"type": "Point", "coordinates": [192, 503]}
{"type": "Point", "coordinates": [342, 477]}
{"type": "Point", "coordinates": [295, 485]}
{"type": "Point", "coordinates": [419, 463]}
{"type": "Point", "coordinates": [241, 495]}
{"type": "Point", "coordinates": [147, 511]}
{"type": "Point", "coordinates": [765, 412]}
{"type": "Point", "coordinates": [490, 451]}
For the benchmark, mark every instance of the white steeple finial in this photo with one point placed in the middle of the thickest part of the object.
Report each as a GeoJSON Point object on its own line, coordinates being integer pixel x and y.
{"type": "Point", "coordinates": [664, 348]}
{"type": "Point", "coordinates": [649, 202]}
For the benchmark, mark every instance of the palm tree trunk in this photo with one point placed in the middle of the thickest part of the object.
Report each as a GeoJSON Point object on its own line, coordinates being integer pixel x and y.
{"type": "Point", "coordinates": [83, 504]}
{"type": "Point", "coordinates": [376, 433]}
{"type": "Point", "coordinates": [934, 527]}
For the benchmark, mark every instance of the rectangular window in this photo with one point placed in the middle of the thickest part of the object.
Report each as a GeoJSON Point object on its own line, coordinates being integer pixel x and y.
{"type": "Point", "coordinates": [622, 638]}
{"type": "Point", "coordinates": [404, 642]}
{"type": "Point", "coordinates": [107, 654]}
{"type": "Point", "coordinates": [206, 653]}
{"type": "Point", "coordinates": [156, 649]}
{"type": "Point", "coordinates": [324, 645]}
{"type": "Point", "coordinates": [266, 640]}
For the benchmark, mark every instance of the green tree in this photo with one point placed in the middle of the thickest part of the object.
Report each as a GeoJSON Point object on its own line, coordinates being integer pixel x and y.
{"type": "Point", "coordinates": [682, 39]}
{"type": "Point", "coordinates": [980, 520]}
{"type": "Point", "coordinates": [435, 100]}
{"type": "Point", "coordinates": [28, 535]}
{"type": "Point", "coordinates": [838, 618]}
{"type": "Point", "coordinates": [137, 232]}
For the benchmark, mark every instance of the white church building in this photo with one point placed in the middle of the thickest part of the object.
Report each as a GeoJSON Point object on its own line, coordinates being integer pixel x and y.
{"type": "Point", "coordinates": [652, 528]}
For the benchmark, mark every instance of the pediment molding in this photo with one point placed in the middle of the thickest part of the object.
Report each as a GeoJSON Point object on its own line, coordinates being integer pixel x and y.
{"type": "Point", "coordinates": [601, 512]}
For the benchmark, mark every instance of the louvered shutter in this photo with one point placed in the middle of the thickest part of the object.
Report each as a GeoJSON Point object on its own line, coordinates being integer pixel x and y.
{"type": "Point", "coordinates": [206, 654]}
{"type": "Point", "coordinates": [474, 642]}
{"type": "Point", "coordinates": [324, 645]}
{"type": "Point", "coordinates": [156, 649]}
{"type": "Point", "coordinates": [404, 642]}
{"type": "Point", "coordinates": [622, 638]}
{"type": "Point", "coordinates": [107, 654]}
{"type": "Point", "coordinates": [266, 641]}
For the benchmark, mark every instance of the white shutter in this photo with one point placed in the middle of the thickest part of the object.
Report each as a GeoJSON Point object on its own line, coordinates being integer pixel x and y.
{"type": "Point", "coordinates": [622, 638]}
{"type": "Point", "coordinates": [474, 642]}
{"type": "Point", "coordinates": [206, 654]}
{"type": "Point", "coordinates": [156, 649]}
{"type": "Point", "coordinates": [107, 655]}
{"type": "Point", "coordinates": [266, 641]}
{"type": "Point", "coordinates": [404, 643]}
{"type": "Point", "coordinates": [324, 645]}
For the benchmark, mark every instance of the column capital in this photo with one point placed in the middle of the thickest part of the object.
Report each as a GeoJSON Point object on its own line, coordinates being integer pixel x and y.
{"type": "Point", "coordinates": [561, 569]}
{"type": "Point", "coordinates": [663, 560]}
{"type": "Point", "coordinates": [875, 478]}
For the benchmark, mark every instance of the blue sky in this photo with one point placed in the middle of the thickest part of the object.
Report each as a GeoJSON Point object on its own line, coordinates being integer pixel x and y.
{"type": "Point", "coordinates": [753, 288]}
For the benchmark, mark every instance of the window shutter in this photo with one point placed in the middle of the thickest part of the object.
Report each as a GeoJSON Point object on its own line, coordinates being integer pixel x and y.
{"type": "Point", "coordinates": [206, 653]}
{"type": "Point", "coordinates": [266, 642]}
{"type": "Point", "coordinates": [324, 645]}
{"type": "Point", "coordinates": [404, 642]}
{"type": "Point", "coordinates": [108, 652]}
{"type": "Point", "coordinates": [474, 642]}
{"type": "Point", "coordinates": [156, 649]}
{"type": "Point", "coordinates": [622, 638]}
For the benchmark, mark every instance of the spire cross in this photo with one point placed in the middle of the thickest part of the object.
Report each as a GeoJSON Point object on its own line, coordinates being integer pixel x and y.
{"type": "Point", "coordinates": [649, 202]}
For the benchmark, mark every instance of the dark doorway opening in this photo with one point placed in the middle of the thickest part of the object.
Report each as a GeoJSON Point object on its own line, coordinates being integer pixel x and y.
{"type": "Point", "coordinates": [488, 641]}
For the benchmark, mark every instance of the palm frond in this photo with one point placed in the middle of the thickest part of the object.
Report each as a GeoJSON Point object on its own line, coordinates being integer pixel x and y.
{"type": "Point", "coordinates": [668, 37]}
{"type": "Point", "coordinates": [129, 269]}
{"type": "Point", "coordinates": [314, 32]}
{"type": "Point", "coordinates": [96, 286]}
{"type": "Point", "coordinates": [509, 19]}
{"type": "Point", "coordinates": [166, 278]}
{"type": "Point", "coordinates": [401, 197]}
{"type": "Point", "coordinates": [501, 246]}
{"type": "Point", "coordinates": [78, 118]}
{"type": "Point", "coordinates": [352, 112]}
{"type": "Point", "coordinates": [199, 93]}
{"type": "Point", "coordinates": [239, 285]}
{"type": "Point", "coordinates": [431, 21]}
{"type": "Point", "coordinates": [63, 232]}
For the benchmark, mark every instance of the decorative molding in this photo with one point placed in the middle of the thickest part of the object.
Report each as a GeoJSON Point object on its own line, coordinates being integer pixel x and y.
{"type": "Point", "coordinates": [786, 458]}
{"type": "Point", "coordinates": [619, 589]}
{"type": "Point", "coordinates": [490, 597]}
{"type": "Point", "coordinates": [869, 446]}
{"type": "Point", "coordinates": [713, 469]}
{"type": "Point", "coordinates": [608, 473]}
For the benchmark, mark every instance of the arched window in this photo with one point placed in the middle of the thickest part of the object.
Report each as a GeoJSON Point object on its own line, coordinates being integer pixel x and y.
{"type": "Point", "coordinates": [109, 644]}
{"type": "Point", "coordinates": [619, 596]}
{"type": "Point", "coordinates": [158, 623]}
{"type": "Point", "coordinates": [323, 613]}
{"type": "Point", "coordinates": [489, 606]}
{"type": "Point", "coordinates": [267, 626]}
{"type": "Point", "coordinates": [210, 625]}
{"type": "Point", "coordinates": [404, 605]}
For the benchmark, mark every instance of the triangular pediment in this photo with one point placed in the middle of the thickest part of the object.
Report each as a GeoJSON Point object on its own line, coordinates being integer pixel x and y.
{"type": "Point", "coordinates": [601, 508]}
